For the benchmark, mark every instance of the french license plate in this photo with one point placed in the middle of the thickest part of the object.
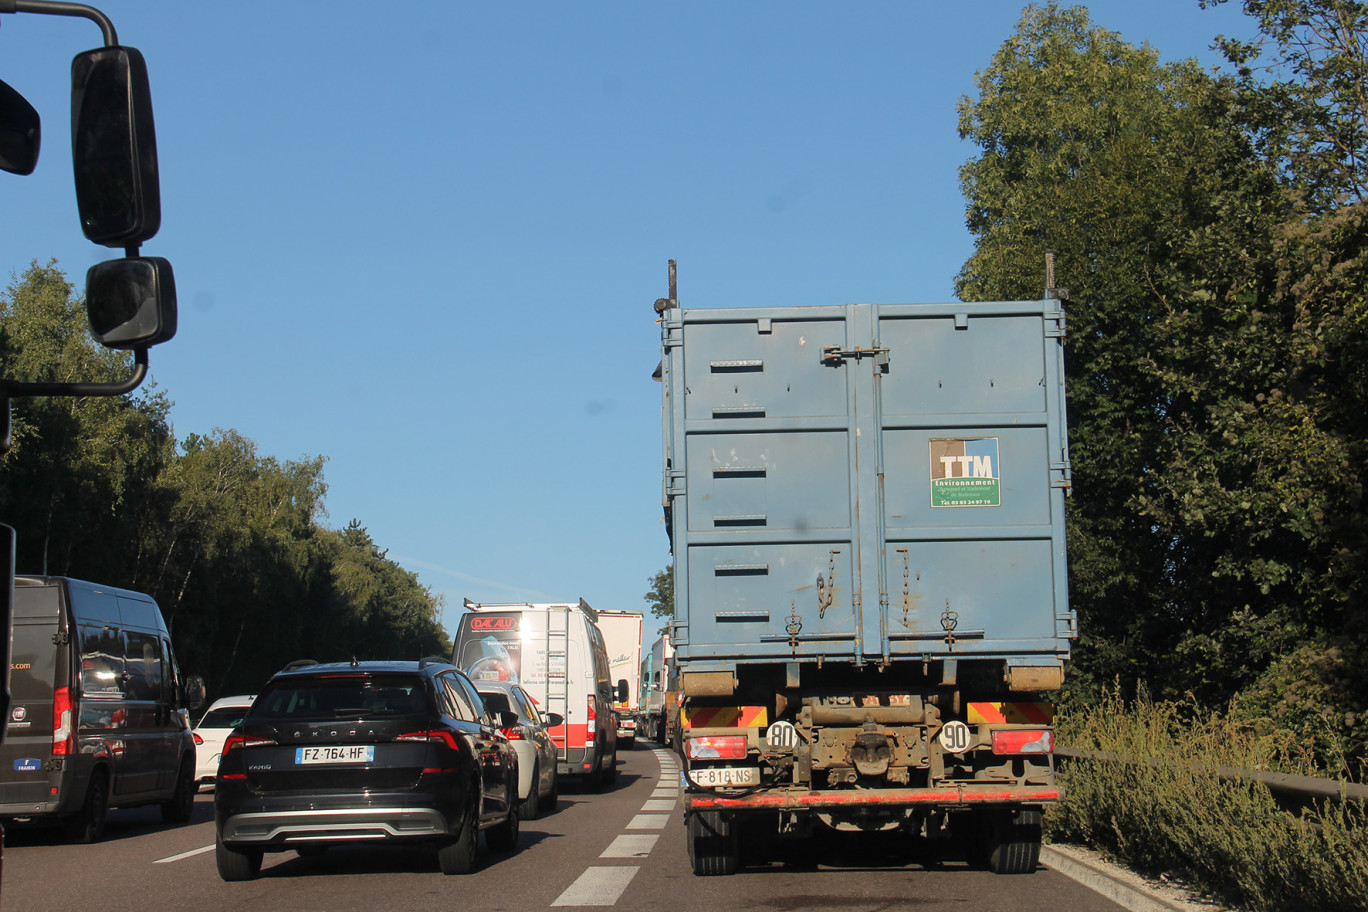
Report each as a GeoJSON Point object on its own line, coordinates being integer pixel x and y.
{"type": "Point", "coordinates": [710, 776]}
{"type": "Point", "coordinates": [347, 753]}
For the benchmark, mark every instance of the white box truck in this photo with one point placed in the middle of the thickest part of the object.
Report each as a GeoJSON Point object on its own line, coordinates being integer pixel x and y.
{"type": "Point", "coordinates": [622, 634]}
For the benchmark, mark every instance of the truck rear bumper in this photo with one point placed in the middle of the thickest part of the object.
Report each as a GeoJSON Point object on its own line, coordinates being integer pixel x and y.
{"type": "Point", "coordinates": [855, 798]}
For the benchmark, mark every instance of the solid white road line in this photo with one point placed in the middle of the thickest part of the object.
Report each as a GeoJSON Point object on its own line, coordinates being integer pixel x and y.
{"type": "Point", "coordinates": [597, 886]}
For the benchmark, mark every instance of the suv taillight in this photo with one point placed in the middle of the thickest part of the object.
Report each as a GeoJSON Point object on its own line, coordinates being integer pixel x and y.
{"type": "Point", "coordinates": [436, 735]}
{"type": "Point", "coordinates": [512, 734]}
{"type": "Point", "coordinates": [62, 740]}
{"type": "Point", "coordinates": [236, 741]}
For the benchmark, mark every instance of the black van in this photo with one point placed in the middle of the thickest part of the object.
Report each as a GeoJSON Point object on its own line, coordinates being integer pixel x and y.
{"type": "Point", "coordinates": [98, 715]}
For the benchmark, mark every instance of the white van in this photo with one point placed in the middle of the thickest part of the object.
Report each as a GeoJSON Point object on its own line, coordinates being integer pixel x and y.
{"type": "Point", "coordinates": [556, 652]}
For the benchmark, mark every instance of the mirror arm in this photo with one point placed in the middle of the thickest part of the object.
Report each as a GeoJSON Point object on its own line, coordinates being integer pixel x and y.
{"type": "Point", "coordinates": [62, 8]}
{"type": "Point", "coordinates": [10, 388]}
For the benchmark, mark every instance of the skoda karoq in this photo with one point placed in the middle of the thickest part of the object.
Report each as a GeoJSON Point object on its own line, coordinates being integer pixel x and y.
{"type": "Point", "coordinates": [380, 752]}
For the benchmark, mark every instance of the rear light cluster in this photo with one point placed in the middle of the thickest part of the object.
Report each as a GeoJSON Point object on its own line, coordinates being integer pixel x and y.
{"type": "Point", "coordinates": [1015, 741]}
{"type": "Point", "coordinates": [63, 739]}
{"type": "Point", "coordinates": [236, 742]}
{"type": "Point", "coordinates": [434, 735]}
{"type": "Point", "coordinates": [722, 747]}
{"type": "Point", "coordinates": [593, 710]}
{"type": "Point", "coordinates": [512, 734]}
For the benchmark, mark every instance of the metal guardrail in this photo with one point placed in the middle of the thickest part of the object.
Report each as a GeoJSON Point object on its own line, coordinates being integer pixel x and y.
{"type": "Point", "coordinates": [1304, 788]}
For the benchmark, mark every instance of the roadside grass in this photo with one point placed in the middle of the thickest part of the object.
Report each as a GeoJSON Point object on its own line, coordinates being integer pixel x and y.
{"type": "Point", "coordinates": [1160, 806]}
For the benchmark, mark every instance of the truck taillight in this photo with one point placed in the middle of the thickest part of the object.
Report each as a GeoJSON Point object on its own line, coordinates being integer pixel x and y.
{"type": "Point", "coordinates": [722, 747]}
{"type": "Point", "coordinates": [63, 743]}
{"type": "Point", "coordinates": [1013, 741]}
{"type": "Point", "coordinates": [593, 713]}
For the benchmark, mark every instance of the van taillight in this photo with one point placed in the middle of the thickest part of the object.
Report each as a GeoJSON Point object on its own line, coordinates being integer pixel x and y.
{"type": "Point", "coordinates": [593, 713]}
{"type": "Point", "coordinates": [63, 744]}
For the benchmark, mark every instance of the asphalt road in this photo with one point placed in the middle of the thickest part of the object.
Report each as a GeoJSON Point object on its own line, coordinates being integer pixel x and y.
{"type": "Point", "coordinates": [622, 849]}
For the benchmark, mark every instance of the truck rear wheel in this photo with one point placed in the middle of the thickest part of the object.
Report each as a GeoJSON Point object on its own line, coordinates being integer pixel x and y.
{"type": "Point", "coordinates": [1012, 840]}
{"type": "Point", "coordinates": [713, 846]}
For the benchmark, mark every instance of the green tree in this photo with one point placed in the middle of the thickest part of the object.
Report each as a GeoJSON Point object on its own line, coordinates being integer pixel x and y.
{"type": "Point", "coordinates": [661, 595]}
{"type": "Point", "coordinates": [79, 466]}
{"type": "Point", "coordinates": [1208, 483]}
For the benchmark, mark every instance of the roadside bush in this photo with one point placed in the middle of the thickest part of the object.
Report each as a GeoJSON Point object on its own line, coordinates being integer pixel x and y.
{"type": "Point", "coordinates": [1158, 804]}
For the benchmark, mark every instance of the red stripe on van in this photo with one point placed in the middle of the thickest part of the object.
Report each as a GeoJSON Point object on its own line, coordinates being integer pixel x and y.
{"type": "Point", "coordinates": [578, 735]}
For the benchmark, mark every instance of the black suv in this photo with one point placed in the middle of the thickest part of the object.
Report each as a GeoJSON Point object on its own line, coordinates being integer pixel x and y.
{"type": "Point", "coordinates": [366, 751]}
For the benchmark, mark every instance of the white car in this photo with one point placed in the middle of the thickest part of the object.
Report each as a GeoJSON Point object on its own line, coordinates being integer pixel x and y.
{"type": "Point", "coordinates": [219, 720]}
{"type": "Point", "coordinates": [538, 780]}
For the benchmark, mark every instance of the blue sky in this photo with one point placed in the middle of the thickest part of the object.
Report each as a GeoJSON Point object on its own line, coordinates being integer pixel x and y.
{"type": "Point", "coordinates": [423, 239]}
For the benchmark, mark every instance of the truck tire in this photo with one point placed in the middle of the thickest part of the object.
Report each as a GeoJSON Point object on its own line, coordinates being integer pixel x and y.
{"type": "Point", "coordinates": [87, 824]}
{"type": "Point", "coordinates": [713, 848]}
{"type": "Point", "coordinates": [1012, 840]}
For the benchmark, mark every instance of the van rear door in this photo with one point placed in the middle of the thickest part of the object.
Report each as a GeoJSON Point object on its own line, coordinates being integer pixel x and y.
{"type": "Point", "coordinates": [38, 666]}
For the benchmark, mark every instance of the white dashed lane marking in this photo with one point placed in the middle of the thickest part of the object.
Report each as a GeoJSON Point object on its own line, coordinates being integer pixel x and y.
{"type": "Point", "coordinates": [603, 885]}
{"type": "Point", "coordinates": [626, 846]}
{"type": "Point", "coordinates": [597, 886]}
{"type": "Point", "coordinates": [184, 855]}
{"type": "Point", "coordinates": [649, 822]}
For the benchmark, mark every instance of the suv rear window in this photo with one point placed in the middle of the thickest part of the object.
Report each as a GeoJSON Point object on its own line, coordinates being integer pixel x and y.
{"type": "Point", "coordinates": [340, 697]}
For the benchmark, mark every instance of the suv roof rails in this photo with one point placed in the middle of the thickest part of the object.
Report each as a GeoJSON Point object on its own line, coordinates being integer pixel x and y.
{"type": "Point", "coordinates": [433, 660]}
{"type": "Point", "coordinates": [299, 663]}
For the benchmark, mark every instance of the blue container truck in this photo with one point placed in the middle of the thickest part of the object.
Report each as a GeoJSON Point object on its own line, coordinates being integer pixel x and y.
{"type": "Point", "coordinates": [865, 504]}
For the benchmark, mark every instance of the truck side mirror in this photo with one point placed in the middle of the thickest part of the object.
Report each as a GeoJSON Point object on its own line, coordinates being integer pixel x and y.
{"type": "Point", "coordinates": [20, 132]}
{"type": "Point", "coordinates": [131, 303]}
{"type": "Point", "coordinates": [114, 147]}
{"type": "Point", "coordinates": [623, 692]}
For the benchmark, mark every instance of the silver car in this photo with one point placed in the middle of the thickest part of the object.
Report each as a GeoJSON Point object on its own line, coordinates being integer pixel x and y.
{"type": "Point", "coordinates": [538, 782]}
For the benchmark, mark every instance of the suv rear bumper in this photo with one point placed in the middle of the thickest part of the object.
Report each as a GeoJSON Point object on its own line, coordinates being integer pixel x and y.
{"type": "Point", "coordinates": [283, 829]}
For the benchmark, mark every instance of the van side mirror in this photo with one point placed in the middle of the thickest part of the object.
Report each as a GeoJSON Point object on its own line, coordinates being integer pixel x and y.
{"type": "Point", "coordinates": [114, 147]}
{"type": "Point", "coordinates": [20, 132]}
{"type": "Point", "coordinates": [131, 303]}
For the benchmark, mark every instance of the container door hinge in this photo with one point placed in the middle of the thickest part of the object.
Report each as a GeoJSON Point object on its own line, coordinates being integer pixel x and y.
{"type": "Point", "coordinates": [835, 356]}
